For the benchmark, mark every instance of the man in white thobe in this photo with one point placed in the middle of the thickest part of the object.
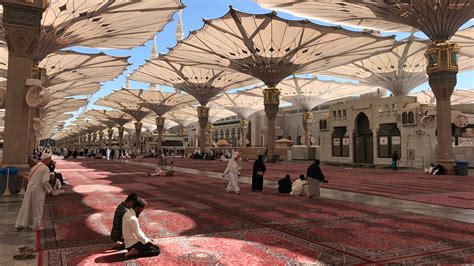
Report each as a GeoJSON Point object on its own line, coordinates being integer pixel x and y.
{"type": "Point", "coordinates": [32, 205]}
{"type": "Point", "coordinates": [232, 172]}
{"type": "Point", "coordinates": [299, 187]}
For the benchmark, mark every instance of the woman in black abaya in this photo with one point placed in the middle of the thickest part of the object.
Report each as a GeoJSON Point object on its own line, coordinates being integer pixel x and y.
{"type": "Point", "coordinates": [257, 174]}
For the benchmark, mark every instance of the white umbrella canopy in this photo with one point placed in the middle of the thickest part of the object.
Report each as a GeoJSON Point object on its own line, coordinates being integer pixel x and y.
{"type": "Point", "coordinates": [73, 88]}
{"type": "Point", "coordinates": [307, 93]}
{"type": "Point", "coordinates": [63, 105]}
{"type": "Point", "coordinates": [202, 83]}
{"type": "Point", "coordinates": [459, 96]}
{"type": "Point", "coordinates": [183, 116]}
{"type": "Point", "coordinates": [70, 73]}
{"type": "Point", "coordinates": [116, 101]}
{"type": "Point", "coordinates": [404, 67]}
{"type": "Point", "coordinates": [159, 102]}
{"type": "Point", "coordinates": [150, 124]}
{"type": "Point", "coordinates": [271, 48]}
{"type": "Point", "coordinates": [216, 114]}
{"type": "Point", "coordinates": [438, 19]}
{"type": "Point", "coordinates": [102, 23]}
{"type": "Point", "coordinates": [241, 104]}
{"type": "Point", "coordinates": [67, 66]}
{"type": "Point", "coordinates": [108, 117]}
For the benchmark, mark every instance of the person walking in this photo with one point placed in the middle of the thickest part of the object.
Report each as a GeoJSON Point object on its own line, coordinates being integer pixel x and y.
{"type": "Point", "coordinates": [232, 173]}
{"type": "Point", "coordinates": [257, 174]}
{"type": "Point", "coordinates": [395, 159]}
{"type": "Point", "coordinates": [315, 176]}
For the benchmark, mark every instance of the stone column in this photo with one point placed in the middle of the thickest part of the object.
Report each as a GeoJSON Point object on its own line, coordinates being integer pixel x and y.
{"type": "Point", "coordinates": [160, 125]}
{"type": "Point", "coordinates": [271, 102]}
{"type": "Point", "coordinates": [203, 115]}
{"type": "Point", "coordinates": [138, 133]}
{"type": "Point", "coordinates": [22, 22]}
{"type": "Point", "coordinates": [94, 140]}
{"type": "Point", "coordinates": [442, 70]}
{"type": "Point", "coordinates": [89, 141]}
{"type": "Point", "coordinates": [110, 134]}
{"type": "Point", "coordinates": [307, 119]}
{"type": "Point", "coordinates": [210, 131]}
{"type": "Point", "coordinates": [101, 139]}
{"type": "Point", "coordinates": [84, 143]}
{"type": "Point", "coordinates": [121, 129]}
{"type": "Point", "coordinates": [244, 126]}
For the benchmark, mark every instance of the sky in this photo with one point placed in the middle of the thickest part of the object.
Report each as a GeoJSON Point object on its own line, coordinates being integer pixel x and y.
{"type": "Point", "coordinates": [193, 14]}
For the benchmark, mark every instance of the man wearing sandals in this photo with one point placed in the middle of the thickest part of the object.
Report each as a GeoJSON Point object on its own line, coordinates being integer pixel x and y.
{"type": "Point", "coordinates": [32, 205]}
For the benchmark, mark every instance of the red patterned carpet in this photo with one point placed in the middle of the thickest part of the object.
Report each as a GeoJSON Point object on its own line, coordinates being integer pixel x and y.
{"type": "Point", "coordinates": [197, 223]}
{"type": "Point", "coordinates": [453, 191]}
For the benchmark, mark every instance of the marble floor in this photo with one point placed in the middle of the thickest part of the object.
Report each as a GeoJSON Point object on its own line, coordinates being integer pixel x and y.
{"type": "Point", "coordinates": [10, 240]}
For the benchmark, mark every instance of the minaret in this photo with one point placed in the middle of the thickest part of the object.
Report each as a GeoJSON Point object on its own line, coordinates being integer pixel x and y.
{"type": "Point", "coordinates": [128, 85]}
{"type": "Point", "coordinates": [154, 50]}
{"type": "Point", "coordinates": [179, 27]}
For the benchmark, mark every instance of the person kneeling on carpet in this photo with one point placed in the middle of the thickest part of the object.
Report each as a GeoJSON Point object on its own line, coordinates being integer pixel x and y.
{"type": "Point", "coordinates": [122, 208]}
{"type": "Point", "coordinates": [284, 184]}
{"type": "Point", "coordinates": [136, 242]}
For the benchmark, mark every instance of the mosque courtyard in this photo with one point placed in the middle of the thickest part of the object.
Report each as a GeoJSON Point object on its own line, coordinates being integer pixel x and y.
{"type": "Point", "coordinates": [154, 110]}
{"type": "Point", "coordinates": [364, 216]}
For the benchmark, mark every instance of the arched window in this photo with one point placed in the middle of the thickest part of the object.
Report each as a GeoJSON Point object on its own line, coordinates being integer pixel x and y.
{"type": "Point", "coordinates": [404, 118]}
{"type": "Point", "coordinates": [411, 117]}
{"type": "Point", "coordinates": [325, 124]}
{"type": "Point", "coordinates": [321, 124]}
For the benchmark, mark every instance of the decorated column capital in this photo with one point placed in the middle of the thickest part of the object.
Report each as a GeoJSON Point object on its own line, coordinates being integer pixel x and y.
{"type": "Point", "coordinates": [203, 111]}
{"type": "Point", "coordinates": [22, 22]}
{"type": "Point", "coordinates": [244, 123]}
{"type": "Point", "coordinates": [110, 133]}
{"type": "Point", "coordinates": [442, 68]}
{"type": "Point", "coordinates": [307, 118]}
{"type": "Point", "coordinates": [121, 130]}
{"type": "Point", "coordinates": [160, 122]}
{"type": "Point", "coordinates": [271, 96]}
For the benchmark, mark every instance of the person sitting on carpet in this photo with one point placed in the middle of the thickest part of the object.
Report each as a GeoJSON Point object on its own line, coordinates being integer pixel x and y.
{"type": "Point", "coordinates": [136, 242]}
{"type": "Point", "coordinates": [284, 184]}
{"type": "Point", "coordinates": [122, 208]}
{"type": "Point", "coordinates": [438, 170]}
{"type": "Point", "coordinates": [300, 187]}
{"type": "Point", "coordinates": [429, 170]}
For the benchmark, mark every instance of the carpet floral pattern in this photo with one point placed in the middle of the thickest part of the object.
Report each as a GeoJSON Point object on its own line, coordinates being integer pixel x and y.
{"type": "Point", "coordinates": [196, 223]}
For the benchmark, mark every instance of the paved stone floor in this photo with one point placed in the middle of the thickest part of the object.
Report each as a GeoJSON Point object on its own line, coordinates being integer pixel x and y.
{"type": "Point", "coordinates": [196, 222]}
{"type": "Point", "coordinates": [10, 240]}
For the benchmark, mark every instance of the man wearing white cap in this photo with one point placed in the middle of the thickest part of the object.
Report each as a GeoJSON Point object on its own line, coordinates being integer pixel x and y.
{"type": "Point", "coordinates": [31, 210]}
